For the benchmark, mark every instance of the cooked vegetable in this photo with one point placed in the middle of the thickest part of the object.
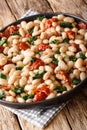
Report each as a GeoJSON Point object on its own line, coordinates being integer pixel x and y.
{"type": "Point", "coordinates": [3, 76]}
{"type": "Point", "coordinates": [27, 96]}
{"type": "Point", "coordinates": [32, 60]}
{"type": "Point", "coordinates": [66, 24]}
{"type": "Point", "coordinates": [18, 89]}
{"type": "Point", "coordinates": [54, 60]}
{"type": "Point", "coordinates": [16, 33]}
{"type": "Point", "coordinates": [66, 40]}
{"type": "Point", "coordinates": [2, 41]}
{"type": "Point", "coordinates": [23, 46]}
{"type": "Point", "coordinates": [56, 41]}
{"type": "Point", "coordinates": [19, 67]}
{"type": "Point", "coordinates": [60, 89]}
{"type": "Point", "coordinates": [31, 40]}
{"type": "Point", "coordinates": [40, 18]}
{"type": "Point", "coordinates": [82, 56]}
{"type": "Point", "coordinates": [58, 51]}
{"type": "Point", "coordinates": [72, 58]}
{"type": "Point", "coordinates": [38, 75]}
{"type": "Point", "coordinates": [76, 81]}
{"type": "Point", "coordinates": [31, 30]}
{"type": "Point", "coordinates": [2, 95]}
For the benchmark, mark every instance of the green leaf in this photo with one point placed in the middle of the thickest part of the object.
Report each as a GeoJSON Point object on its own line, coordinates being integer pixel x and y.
{"type": "Point", "coordinates": [31, 30]}
{"type": "Point", "coordinates": [82, 56]}
{"type": "Point", "coordinates": [76, 81]}
{"type": "Point", "coordinates": [18, 89]}
{"type": "Point", "coordinates": [2, 41]}
{"type": "Point", "coordinates": [3, 76]}
{"type": "Point", "coordinates": [66, 40]}
{"type": "Point", "coordinates": [27, 96]}
{"type": "Point", "coordinates": [16, 33]}
{"type": "Point", "coordinates": [72, 58]}
{"type": "Point", "coordinates": [40, 18]}
{"type": "Point", "coordinates": [32, 60]}
{"type": "Point", "coordinates": [19, 67]}
{"type": "Point", "coordinates": [58, 51]}
{"type": "Point", "coordinates": [60, 89]}
{"type": "Point", "coordinates": [69, 71]}
{"type": "Point", "coordinates": [38, 75]}
{"type": "Point", "coordinates": [39, 52]}
{"type": "Point", "coordinates": [66, 24]}
{"type": "Point", "coordinates": [31, 40]}
{"type": "Point", "coordinates": [56, 41]}
{"type": "Point", "coordinates": [54, 60]}
{"type": "Point", "coordinates": [2, 95]}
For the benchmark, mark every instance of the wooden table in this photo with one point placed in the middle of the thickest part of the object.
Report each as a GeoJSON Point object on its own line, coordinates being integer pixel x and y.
{"type": "Point", "coordinates": [74, 115]}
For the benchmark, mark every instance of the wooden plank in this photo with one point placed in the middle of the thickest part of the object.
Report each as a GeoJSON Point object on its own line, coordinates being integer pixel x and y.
{"type": "Point", "coordinates": [6, 16]}
{"type": "Point", "coordinates": [77, 7]}
{"type": "Point", "coordinates": [19, 7]}
{"type": "Point", "coordinates": [8, 120]}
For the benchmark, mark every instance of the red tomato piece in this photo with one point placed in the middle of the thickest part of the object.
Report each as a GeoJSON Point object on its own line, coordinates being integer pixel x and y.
{"type": "Point", "coordinates": [48, 24]}
{"type": "Point", "coordinates": [36, 64]}
{"type": "Point", "coordinates": [9, 30]}
{"type": "Point", "coordinates": [82, 25]}
{"type": "Point", "coordinates": [75, 45]}
{"type": "Point", "coordinates": [71, 34]}
{"type": "Point", "coordinates": [39, 96]}
{"type": "Point", "coordinates": [53, 65]}
{"type": "Point", "coordinates": [65, 76]}
{"type": "Point", "coordinates": [1, 49]}
{"type": "Point", "coordinates": [43, 47]}
{"type": "Point", "coordinates": [44, 89]}
{"type": "Point", "coordinates": [23, 45]}
{"type": "Point", "coordinates": [28, 35]}
{"type": "Point", "coordinates": [7, 88]}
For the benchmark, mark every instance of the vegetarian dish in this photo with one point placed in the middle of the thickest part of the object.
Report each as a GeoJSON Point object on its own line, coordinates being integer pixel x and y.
{"type": "Point", "coordinates": [42, 59]}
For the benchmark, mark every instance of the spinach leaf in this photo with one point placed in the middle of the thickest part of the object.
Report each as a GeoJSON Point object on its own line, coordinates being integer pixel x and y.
{"type": "Point", "coordinates": [38, 75]}
{"type": "Point", "coordinates": [60, 89]}
{"type": "Point", "coordinates": [3, 76]}
{"type": "Point", "coordinates": [66, 24]}
{"type": "Point", "coordinates": [56, 41]}
{"type": "Point", "coordinates": [31, 40]}
{"type": "Point", "coordinates": [54, 60]}
{"type": "Point", "coordinates": [2, 95]}
{"type": "Point", "coordinates": [18, 89]}
{"type": "Point", "coordinates": [2, 41]}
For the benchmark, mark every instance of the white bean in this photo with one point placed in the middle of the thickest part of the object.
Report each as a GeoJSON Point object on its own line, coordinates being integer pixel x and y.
{"type": "Point", "coordinates": [3, 59]}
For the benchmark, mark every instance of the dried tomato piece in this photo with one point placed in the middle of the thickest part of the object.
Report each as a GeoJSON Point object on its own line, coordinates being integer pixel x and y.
{"type": "Point", "coordinates": [7, 88]}
{"type": "Point", "coordinates": [28, 35]}
{"type": "Point", "coordinates": [1, 49]}
{"type": "Point", "coordinates": [23, 45]}
{"type": "Point", "coordinates": [39, 96]}
{"type": "Point", "coordinates": [43, 47]}
{"type": "Point", "coordinates": [71, 35]}
{"type": "Point", "coordinates": [82, 25]}
{"type": "Point", "coordinates": [65, 76]}
{"type": "Point", "coordinates": [75, 45]}
{"type": "Point", "coordinates": [9, 30]}
{"type": "Point", "coordinates": [36, 64]}
{"type": "Point", "coordinates": [53, 65]}
{"type": "Point", "coordinates": [41, 93]}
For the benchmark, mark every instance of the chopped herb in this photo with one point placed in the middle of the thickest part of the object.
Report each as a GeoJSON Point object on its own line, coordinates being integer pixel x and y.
{"type": "Point", "coordinates": [18, 89]}
{"type": "Point", "coordinates": [56, 41]}
{"type": "Point", "coordinates": [19, 67]}
{"type": "Point", "coordinates": [38, 75]}
{"type": "Point", "coordinates": [31, 40]}
{"type": "Point", "coordinates": [31, 30]}
{"type": "Point", "coordinates": [58, 51]}
{"type": "Point", "coordinates": [32, 60]}
{"type": "Point", "coordinates": [54, 60]}
{"type": "Point", "coordinates": [60, 89]}
{"type": "Point", "coordinates": [72, 58]}
{"type": "Point", "coordinates": [82, 56]}
{"type": "Point", "coordinates": [40, 18]}
{"type": "Point", "coordinates": [3, 76]}
{"type": "Point", "coordinates": [2, 41]}
{"type": "Point", "coordinates": [16, 33]}
{"type": "Point", "coordinates": [69, 71]}
{"type": "Point", "coordinates": [27, 96]}
{"type": "Point", "coordinates": [66, 40]}
{"type": "Point", "coordinates": [66, 24]}
{"type": "Point", "coordinates": [39, 52]}
{"type": "Point", "coordinates": [76, 81]}
{"type": "Point", "coordinates": [2, 95]}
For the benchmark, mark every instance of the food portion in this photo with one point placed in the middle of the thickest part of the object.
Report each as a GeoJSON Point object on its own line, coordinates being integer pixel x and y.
{"type": "Point", "coordinates": [42, 59]}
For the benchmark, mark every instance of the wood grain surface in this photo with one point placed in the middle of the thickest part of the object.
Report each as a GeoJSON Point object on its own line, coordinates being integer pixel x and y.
{"type": "Point", "coordinates": [74, 115]}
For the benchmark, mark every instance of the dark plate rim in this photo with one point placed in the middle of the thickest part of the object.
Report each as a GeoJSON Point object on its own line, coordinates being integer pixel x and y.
{"type": "Point", "coordinates": [59, 99]}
